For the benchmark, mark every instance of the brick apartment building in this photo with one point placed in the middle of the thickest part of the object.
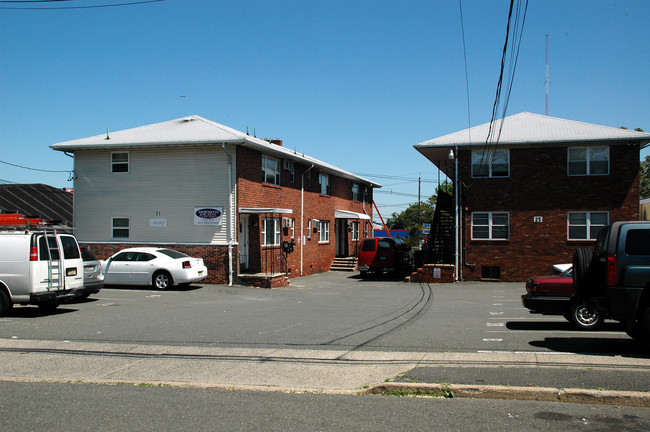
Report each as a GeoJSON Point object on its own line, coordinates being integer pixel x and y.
{"type": "Point", "coordinates": [256, 211]}
{"type": "Point", "coordinates": [528, 199]}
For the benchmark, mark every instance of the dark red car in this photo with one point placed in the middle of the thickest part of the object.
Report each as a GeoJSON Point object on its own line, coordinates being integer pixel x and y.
{"type": "Point", "coordinates": [555, 295]}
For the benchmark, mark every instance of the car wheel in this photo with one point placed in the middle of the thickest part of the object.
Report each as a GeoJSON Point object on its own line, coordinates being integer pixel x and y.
{"type": "Point", "coordinates": [585, 318]}
{"type": "Point", "coordinates": [581, 259]}
{"type": "Point", "coordinates": [162, 280]}
{"type": "Point", "coordinates": [5, 303]}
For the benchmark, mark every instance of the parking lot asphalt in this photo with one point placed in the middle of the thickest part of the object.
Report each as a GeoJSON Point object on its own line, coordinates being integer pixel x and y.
{"type": "Point", "coordinates": [556, 376]}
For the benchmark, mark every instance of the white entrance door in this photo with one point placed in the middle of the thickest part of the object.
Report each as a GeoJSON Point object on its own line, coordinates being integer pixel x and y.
{"type": "Point", "coordinates": [244, 241]}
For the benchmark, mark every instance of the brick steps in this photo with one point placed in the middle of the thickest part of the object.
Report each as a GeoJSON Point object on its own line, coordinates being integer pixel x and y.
{"type": "Point", "coordinates": [348, 264]}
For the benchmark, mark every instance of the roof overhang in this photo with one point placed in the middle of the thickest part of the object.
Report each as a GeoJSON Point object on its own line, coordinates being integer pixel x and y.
{"type": "Point", "coordinates": [265, 210]}
{"type": "Point", "coordinates": [346, 214]}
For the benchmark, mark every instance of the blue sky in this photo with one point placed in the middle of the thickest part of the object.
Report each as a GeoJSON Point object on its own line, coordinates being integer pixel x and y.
{"type": "Point", "coordinates": [353, 83]}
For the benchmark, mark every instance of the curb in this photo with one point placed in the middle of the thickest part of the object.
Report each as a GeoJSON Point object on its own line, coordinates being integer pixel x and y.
{"type": "Point", "coordinates": [546, 394]}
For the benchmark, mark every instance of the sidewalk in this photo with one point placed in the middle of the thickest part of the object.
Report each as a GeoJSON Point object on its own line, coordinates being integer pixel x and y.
{"type": "Point", "coordinates": [539, 376]}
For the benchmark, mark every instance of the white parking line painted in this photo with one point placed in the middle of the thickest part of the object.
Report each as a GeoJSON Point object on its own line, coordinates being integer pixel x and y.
{"type": "Point", "coordinates": [495, 324]}
{"type": "Point", "coordinates": [492, 340]}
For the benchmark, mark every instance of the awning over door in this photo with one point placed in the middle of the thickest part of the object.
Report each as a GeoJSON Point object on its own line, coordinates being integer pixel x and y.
{"type": "Point", "coordinates": [255, 210]}
{"type": "Point", "coordinates": [346, 214]}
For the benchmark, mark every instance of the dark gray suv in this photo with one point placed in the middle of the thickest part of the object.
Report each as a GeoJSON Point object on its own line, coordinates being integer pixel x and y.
{"type": "Point", "coordinates": [614, 278]}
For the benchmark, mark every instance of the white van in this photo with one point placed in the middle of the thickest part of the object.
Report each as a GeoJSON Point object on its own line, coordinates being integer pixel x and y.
{"type": "Point", "coordinates": [41, 267]}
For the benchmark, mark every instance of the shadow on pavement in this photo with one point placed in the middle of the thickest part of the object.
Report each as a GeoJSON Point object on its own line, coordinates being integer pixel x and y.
{"type": "Point", "coordinates": [36, 312]}
{"type": "Point", "coordinates": [560, 325]}
{"type": "Point", "coordinates": [594, 345]}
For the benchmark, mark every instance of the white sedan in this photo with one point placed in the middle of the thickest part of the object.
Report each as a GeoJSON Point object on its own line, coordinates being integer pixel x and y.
{"type": "Point", "coordinates": [158, 267]}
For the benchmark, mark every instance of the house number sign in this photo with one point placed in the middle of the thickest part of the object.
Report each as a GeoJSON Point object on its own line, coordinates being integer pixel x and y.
{"type": "Point", "coordinates": [537, 219]}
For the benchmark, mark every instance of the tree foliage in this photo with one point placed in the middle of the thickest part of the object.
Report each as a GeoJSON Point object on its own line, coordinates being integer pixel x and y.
{"type": "Point", "coordinates": [415, 215]}
{"type": "Point", "coordinates": [644, 186]}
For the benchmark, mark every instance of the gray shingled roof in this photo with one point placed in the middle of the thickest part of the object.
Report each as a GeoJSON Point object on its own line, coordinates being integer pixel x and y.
{"type": "Point", "coordinates": [194, 131]}
{"type": "Point", "coordinates": [37, 200]}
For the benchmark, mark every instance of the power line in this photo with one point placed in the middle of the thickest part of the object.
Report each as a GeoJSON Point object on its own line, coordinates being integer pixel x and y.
{"type": "Point", "coordinates": [34, 169]}
{"type": "Point", "coordinates": [36, 7]}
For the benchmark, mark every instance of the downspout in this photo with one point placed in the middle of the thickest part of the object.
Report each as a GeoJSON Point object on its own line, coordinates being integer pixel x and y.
{"type": "Point", "coordinates": [302, 213]}
{"type": "Point", "coordinates": [457, 216]}
{"type": "Point", "coordinates": [231, 215]}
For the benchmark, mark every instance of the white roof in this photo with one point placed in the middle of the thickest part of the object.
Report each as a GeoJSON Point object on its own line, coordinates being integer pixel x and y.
{"type": "Point", "coordinates": [528, 128]}
{"type": "Point", "coordinates": [193, 131]}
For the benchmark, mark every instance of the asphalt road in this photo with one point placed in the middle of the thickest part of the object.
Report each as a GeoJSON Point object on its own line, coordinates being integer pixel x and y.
{"type": "Point", "coordinates": [81, 407]}
{"type": "Point", "coordinates": [325, 311]}
{"type": "Point", "coordinates": [331, 333]}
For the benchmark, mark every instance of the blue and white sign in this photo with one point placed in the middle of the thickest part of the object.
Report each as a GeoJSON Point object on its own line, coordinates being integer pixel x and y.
{"type": "Point", "coordinates": [208, 215]}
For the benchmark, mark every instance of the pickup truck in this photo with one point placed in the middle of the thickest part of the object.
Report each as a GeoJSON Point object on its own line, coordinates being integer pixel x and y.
{"type": "Point", "coordinates": [614, 277]}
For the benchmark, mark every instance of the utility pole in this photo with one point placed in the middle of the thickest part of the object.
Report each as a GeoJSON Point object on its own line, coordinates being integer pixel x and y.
{"type": "Point", "coordinates": [547, 78]}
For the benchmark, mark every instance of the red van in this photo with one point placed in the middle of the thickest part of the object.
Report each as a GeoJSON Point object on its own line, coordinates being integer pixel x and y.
{"type": "Point", "coordinates": [384, 254]}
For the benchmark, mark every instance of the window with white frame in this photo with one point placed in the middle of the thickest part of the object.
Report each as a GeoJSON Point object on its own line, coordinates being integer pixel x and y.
{"type": "Point", "coordinates": [588, 161]}
{"type": "Point", "coordinates": [120, 162]}
{"type": "Point", "coordinates": [355, 192]}
{"type": "Point", "coordinates": [490, 226]}
{"type": "Point", "coordinates": [585, 225]}
{"type": "Point", "coordinates": [323, 231]}
{"type": "Point", "coordinates": [324, 183]}
{"type": "Point", "coordinates": [309, 229]}
{"type": "Point", "coordinates": [289, 166]}
{"type": "Point", "coordinates": [491, 163]}
{"type": "Point", "coordinates": [120, 227]}
{"type": "Point", "coordinates": [355, 230]}
{"type": "Point", "coordinates": [271, 235]}
{"type": "Point", "coordinates": [270, 170]}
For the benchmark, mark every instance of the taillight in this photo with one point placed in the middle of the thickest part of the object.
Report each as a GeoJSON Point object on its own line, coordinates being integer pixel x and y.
{"type": "Point", "coordinates": [187, 264]}
{"type": "Point", "coordinates": [611, 270]}
{"type": "Point", "coordinates": [33, 253]}
{"type": "Point", "coordinates": [531, 287]}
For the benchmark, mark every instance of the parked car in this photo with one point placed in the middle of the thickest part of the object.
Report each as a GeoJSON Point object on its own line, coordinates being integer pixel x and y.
{"type": "Point", "coordinates": [158, 267]}
{"type": "Point", "coordinates": [555, 295]}
{"type": "Point", "coordinates": [614, 276]}
{"type": "Point", "coordinates": [40, 267]}
{"type": "Point", "coordinates": [384, 254]}
{"type": "Point", "coordinates": [93, 276]}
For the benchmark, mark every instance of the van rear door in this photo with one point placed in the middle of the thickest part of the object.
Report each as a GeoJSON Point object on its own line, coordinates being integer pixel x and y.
{"type": "Point", "coordinates": [73, 265]}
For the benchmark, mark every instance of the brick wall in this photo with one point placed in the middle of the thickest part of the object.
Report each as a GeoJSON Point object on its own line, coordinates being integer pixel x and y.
{"type": "Point", "coordinates": [215, 258]}
{"type": "Point", "coordinates": [539, 186]}
{"type": "Point", "coordinates": [252, 193]}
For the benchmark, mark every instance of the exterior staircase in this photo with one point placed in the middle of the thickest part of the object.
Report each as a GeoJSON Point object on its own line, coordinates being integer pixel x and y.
{"type": "Point", "coordinates": [348, 264]}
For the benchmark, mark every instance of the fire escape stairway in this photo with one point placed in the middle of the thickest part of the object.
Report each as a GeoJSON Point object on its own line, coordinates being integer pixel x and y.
{"type": "Point", "coordinates": [440, 246]}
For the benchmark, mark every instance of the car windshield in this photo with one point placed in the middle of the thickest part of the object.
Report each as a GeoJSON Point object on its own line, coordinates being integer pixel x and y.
{"type": "Point", "coordinates": [172, 253]}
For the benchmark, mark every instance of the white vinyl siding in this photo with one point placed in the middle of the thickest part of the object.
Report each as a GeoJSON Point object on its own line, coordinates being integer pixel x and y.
{"type": "Point", "coordinates": [163, 184]}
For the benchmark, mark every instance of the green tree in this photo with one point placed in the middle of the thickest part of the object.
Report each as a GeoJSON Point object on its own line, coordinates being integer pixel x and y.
{"type": "Point", "coordinates": [422, 213]}
{"type": "Point", "coordinates": [644, 186]}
